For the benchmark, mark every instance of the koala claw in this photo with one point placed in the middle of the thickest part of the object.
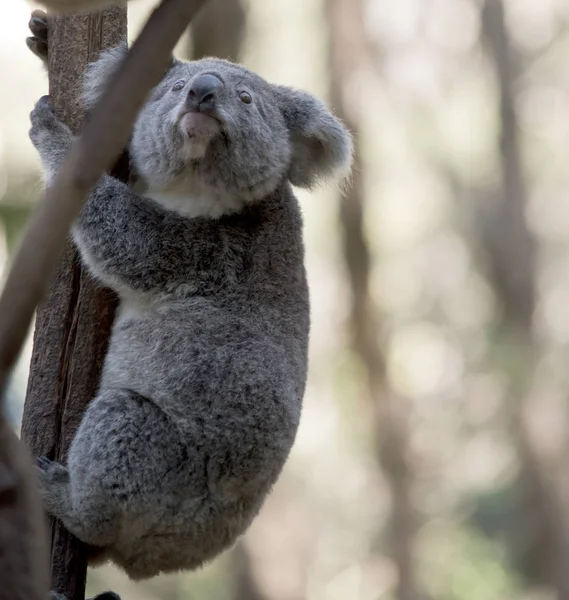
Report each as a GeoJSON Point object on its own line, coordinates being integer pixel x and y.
{"type": "Point", "coordinates": [50, 470]}
{"type": "Point", "coordinates": [37, 42]}
{"type": "Point", "coordinates": [48, 134]}
{"type": "Point", "coordinates": [43, 463]}
{"type": "Point", "coordinates": [42, 116]}
{"type": "Point", "coordinates": [45, 103]}
{"type": "Point", "coordinates": [37, 46]}
{"type": "Point", "coordinates": [38, 24]}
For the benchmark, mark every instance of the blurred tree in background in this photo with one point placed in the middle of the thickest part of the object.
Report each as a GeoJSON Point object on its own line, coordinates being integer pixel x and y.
{"type": "Point", "coordinates": [433, 455]}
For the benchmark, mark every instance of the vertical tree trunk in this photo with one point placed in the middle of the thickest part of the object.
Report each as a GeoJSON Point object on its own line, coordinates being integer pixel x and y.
{"type": "Point", "coordinates": [23, 539]}
{"type": "Point", "coordinates": [218, 30]}
{"type": "Point", "coordinates": [512, 255]}
{"type": "Point", "coordinates": [73, 323]}
{"type": "Point", "coordinates": [350, 51]}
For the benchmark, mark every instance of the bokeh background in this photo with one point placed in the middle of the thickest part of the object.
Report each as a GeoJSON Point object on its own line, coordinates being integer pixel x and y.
{"type": "Point", "coordinates": [432, 461]}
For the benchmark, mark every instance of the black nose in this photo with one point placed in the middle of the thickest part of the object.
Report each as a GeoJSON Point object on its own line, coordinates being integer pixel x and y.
{"type": "Point", "coordinates": [203, 91]}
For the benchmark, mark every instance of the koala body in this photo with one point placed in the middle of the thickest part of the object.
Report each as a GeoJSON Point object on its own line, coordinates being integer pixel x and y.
{"type": "Point", "coordinates": [202, 386]}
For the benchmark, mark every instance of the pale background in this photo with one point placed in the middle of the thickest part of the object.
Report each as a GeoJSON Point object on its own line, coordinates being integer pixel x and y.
{"type": "Point", "coordinates": [466, 319]}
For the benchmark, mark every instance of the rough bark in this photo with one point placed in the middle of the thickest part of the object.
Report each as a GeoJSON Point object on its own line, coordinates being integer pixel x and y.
{"type": "Point", "coordinates": [74, 321]}
{"type": "Point", "coordinates": [24, 569]}
{"type": "Point", "coordinates": [512, 257]}
{"type": "Point", "coordinates": [350, 51]}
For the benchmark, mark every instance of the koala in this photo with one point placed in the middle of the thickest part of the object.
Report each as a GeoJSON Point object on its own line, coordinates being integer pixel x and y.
{"type": "Point", "coordinates": [202, 386]}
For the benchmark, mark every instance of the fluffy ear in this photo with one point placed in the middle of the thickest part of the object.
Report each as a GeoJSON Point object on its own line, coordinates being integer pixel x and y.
{"type": "Point", "coordinates": [99, 72]}
{"type": "Point", "coordinates": [321, 145]}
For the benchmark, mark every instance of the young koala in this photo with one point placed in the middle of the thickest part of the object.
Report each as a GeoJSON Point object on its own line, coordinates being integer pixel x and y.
{"type": "Point", "coordinates": [201, 390]}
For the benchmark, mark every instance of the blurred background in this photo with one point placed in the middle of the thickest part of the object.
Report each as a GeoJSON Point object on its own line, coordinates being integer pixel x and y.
{"type": "Point", "coordinates": [432, 460]}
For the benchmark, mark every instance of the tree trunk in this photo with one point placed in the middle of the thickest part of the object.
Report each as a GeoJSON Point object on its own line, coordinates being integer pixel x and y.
{"type": "Point", "coordinates": [23, 539]}
{"type": "Point", "coordinates": [512, 256]}
{"type": "Point", "coordinates": [351, 51]}
{"type": "Point", "coordinates": [218, 30]}
{"type": "Point", "coordinates": [73, 323]}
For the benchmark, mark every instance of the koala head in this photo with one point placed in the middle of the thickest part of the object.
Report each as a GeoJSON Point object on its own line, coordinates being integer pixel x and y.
{"type": "Point", "coordinates": [213, 136]}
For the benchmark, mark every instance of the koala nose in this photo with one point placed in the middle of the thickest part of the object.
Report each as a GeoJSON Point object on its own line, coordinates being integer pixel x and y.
{"type": "Point", "coordinates": [203, 91]}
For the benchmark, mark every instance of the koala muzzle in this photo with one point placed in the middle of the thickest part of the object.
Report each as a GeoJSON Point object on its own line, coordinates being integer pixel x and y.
{"type": "Point", "coordinates": [203, 92]}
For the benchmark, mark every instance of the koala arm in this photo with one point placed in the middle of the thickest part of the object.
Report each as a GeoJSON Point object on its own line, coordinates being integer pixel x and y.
{"type": "Point", "coordinates": [124, 239]}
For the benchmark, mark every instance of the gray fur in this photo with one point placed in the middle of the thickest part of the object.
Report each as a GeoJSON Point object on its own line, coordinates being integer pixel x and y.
{"type": "Point", "coordinates": [202, 386]}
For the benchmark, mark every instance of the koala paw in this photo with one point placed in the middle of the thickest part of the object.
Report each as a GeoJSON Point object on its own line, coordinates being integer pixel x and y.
{"type": "Point", "coordinates": [50, 470]}
{"type": "Point", "coordinates": [37, 42]}
{"type": "Point", "coordinates": [49, 135]}
{"type": "Point", "coordinates": [45, 123]}
{"type": "Point", "coordinates": [53, 485]}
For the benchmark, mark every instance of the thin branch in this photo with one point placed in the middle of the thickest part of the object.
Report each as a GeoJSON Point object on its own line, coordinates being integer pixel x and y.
{"type": "Point", "coordinates": [94, 152]}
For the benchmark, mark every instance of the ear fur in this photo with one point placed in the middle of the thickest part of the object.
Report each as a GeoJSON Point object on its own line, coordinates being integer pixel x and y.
{"type": "Point", "coordinates": [99, 72]}
{"type": "Point", "coordinates": [321, 146]}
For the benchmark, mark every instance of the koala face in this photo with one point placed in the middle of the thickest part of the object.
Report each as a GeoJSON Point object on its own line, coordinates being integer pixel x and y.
{"type": "Point", "coordinates": [214, 133]}
{"type": "Point", "coordinates": [215, 124]}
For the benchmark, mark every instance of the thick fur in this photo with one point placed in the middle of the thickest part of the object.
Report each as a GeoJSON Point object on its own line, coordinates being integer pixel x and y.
{"type": "Point", "coordinates": [202, 387]}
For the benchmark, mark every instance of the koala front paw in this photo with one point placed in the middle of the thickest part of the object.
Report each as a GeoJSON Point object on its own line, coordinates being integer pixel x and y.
{"type": "Point", "coordinates": [46, 126]}
{"type": "Point", "coordinates": [49, 135]}
{"type": "Point", "coordinates": [37, 42]}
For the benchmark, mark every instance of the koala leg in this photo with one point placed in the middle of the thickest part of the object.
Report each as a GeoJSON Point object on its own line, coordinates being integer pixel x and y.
{"type": "Point", "coordinates": [124, 464]}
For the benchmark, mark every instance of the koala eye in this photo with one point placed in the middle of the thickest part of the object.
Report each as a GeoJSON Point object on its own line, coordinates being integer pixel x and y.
{"type": "Point", "coordinates": [179, 85]}
{"type": "Point", "coordinates": [245, 97]}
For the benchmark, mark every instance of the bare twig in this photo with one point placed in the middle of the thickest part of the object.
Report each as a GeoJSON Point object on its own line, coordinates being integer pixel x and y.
{"type": "Point", "coordinates": [94, 152]}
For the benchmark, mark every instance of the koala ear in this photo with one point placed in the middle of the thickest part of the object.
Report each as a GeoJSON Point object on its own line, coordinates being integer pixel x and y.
{"type": "Point", "coordinates": [98, 73]}
{"type": "Point", "coordinates": [321, 145]}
